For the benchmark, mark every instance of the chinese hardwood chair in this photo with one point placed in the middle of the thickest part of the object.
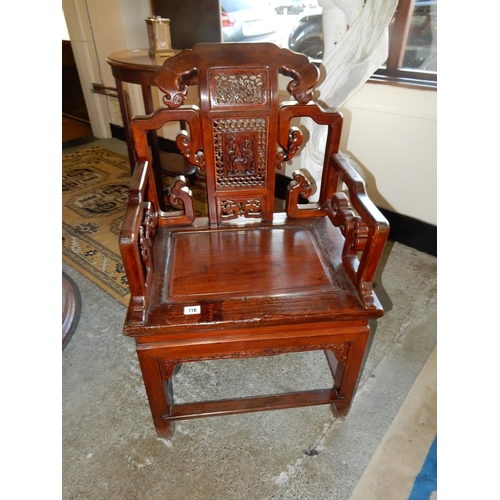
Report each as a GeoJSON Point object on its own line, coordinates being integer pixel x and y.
{"type": "Point", "coordinates": [244, 281]}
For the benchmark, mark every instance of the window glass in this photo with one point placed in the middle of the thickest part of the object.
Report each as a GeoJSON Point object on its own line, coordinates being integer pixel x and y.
{"type": "Point", "coordinates": [272, 21]}
{"type": "Point", "coordinates": [421, 47]}
{"type": "Point", "coordinates": [234, 5]}
{"type": "Point", "coordinates": [298, 25]}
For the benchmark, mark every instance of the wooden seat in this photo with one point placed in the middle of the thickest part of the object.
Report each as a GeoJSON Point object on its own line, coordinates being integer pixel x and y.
{"type": "Point", "coordinates": [245, 281]}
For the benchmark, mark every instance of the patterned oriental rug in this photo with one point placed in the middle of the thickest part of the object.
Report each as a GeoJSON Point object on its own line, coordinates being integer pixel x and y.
{"type": "Point", "coordinates": [94, 196]}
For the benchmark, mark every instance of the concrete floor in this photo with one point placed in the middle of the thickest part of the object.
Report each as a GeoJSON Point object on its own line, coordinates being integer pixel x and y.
{"type": "Point", "coordinates": [110, 448]}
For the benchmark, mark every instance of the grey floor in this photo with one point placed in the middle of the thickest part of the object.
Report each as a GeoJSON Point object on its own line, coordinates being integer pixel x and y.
{"type": "Point", "coordinates": [110, 448]}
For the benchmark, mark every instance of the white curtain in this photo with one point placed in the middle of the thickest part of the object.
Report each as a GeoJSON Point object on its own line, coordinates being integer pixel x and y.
{"type": "Point", "coordinates": [356, 45]}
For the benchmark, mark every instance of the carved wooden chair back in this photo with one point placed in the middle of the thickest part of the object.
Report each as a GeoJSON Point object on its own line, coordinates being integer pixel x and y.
{"type": "Point", "coordinates": [240, 133]}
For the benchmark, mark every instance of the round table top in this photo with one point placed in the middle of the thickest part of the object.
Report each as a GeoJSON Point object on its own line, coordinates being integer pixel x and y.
{"type": "Point", "coordinates": [138, 59]}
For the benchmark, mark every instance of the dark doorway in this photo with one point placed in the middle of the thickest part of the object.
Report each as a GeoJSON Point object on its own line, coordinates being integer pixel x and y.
{"type": "Point", "coordinates": [75, 117]}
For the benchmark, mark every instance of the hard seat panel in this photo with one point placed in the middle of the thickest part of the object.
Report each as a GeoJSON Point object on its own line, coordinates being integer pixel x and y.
{"type": "Point", "coordinates": [242, 262]}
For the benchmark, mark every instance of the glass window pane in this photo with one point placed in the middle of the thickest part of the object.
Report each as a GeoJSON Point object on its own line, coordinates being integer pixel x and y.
{"type": "Point", "coordinates": [421, 47]}
{"type": "Point", "coordinates": [296, 24]}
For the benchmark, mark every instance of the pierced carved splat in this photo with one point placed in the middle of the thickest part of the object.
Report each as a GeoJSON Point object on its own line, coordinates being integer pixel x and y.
{"type": "Point", "coordinates": [239, 89]}
{"type": "Point", "coordinates": [240, 152]}
{"type": "Point", "coordinates": [248, 208]}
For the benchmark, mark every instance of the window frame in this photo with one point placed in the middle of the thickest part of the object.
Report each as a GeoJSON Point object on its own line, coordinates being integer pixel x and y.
{"type": "Point", "coordinates": [392, 74]}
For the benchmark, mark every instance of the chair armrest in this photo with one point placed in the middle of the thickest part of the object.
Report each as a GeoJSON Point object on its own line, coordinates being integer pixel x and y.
{"type": "Point", "coordinates": [136, 240]}
{"type": "Point", "coordinates": [365, 232]}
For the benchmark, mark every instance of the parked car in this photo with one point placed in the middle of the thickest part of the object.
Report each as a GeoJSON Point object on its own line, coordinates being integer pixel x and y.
{"type": "Point", "coordinates": [290, 7]}
{"type": "Point", "coordinates": [247, 21]}
{"type": "Point", "coordinates": [307, 36]}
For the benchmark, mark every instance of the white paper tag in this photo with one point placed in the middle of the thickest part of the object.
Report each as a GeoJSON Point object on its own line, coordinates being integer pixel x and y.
{"type": "Point", "coordinates": [192, 310]}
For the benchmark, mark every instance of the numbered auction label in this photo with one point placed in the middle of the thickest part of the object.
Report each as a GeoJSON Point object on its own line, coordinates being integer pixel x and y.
{"type": "Point", "coordinates": [192, 310]}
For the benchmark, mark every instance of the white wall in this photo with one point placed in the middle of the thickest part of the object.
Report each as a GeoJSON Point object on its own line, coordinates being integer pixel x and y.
{"type": "Point", "coordinates": [65, 34]}
{"type": "Point", "coordinates": [96, 29]}
{"type": "Point", "coordinates": [391, 132]}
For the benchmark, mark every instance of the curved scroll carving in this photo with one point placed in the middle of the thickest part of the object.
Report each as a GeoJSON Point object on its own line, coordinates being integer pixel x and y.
{"type": "Point", "coordinates": [295, 140]}
{"type": "Point", "coordinates": [176, 92]}
{"type": "Point", "coordinates": [179, 194]}
{"type": "Point", "coordinates": [352, 226]}
{"type": "Point", "coordinates": [171, 77]}
{"type": "Point", "coordinates": [342, 214]}
{"type": "Point", "coordinates": [360, 235]}
{"type": "Point", "coordinates": [248, 208]}
{"type": "Point", "coordinates": [167, 368]}
{"type": "Point", "coordinates": [147, 232]}
{"type": "Point", "coordinates": [170, 80]}
{"type": "Point", "coordinates": [304, 75]}
{"type": "Point", "coordinates": [193, 155]}
{"type": "Point", "coordinates": [299, 186]}
{"type": "Point", "coordinates": [356, 234]}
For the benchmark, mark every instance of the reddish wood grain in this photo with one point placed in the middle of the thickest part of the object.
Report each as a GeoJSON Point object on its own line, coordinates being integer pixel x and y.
{"type": "Point", "coordinates": [246, 282]}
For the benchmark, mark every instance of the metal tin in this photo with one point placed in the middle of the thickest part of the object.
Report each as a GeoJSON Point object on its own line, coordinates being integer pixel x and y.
{"type": "Point", "coordinates": [160, 44]}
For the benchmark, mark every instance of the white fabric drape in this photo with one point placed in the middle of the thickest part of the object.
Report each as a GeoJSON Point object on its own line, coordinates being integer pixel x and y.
{"type": "Point", "coordinates": [356, 45]}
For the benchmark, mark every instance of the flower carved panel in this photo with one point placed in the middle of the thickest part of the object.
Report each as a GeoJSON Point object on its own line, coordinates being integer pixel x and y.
{"type": "Point", "coordinates": [229, 89]}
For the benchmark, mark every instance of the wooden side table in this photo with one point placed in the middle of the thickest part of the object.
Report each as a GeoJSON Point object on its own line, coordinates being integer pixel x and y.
{"type": "Point", "coordinates": [138, 67]}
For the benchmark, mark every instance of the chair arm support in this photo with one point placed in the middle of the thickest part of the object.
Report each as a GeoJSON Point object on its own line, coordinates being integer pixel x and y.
{"type": "Point", "coordinates": [136, 240]}
{"type": "Point", "coordinates": [366, 232]}
{"type": "Point", "coordinates": [189, 144]}
{"type": "Point", "coordinates": [178, 192]}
